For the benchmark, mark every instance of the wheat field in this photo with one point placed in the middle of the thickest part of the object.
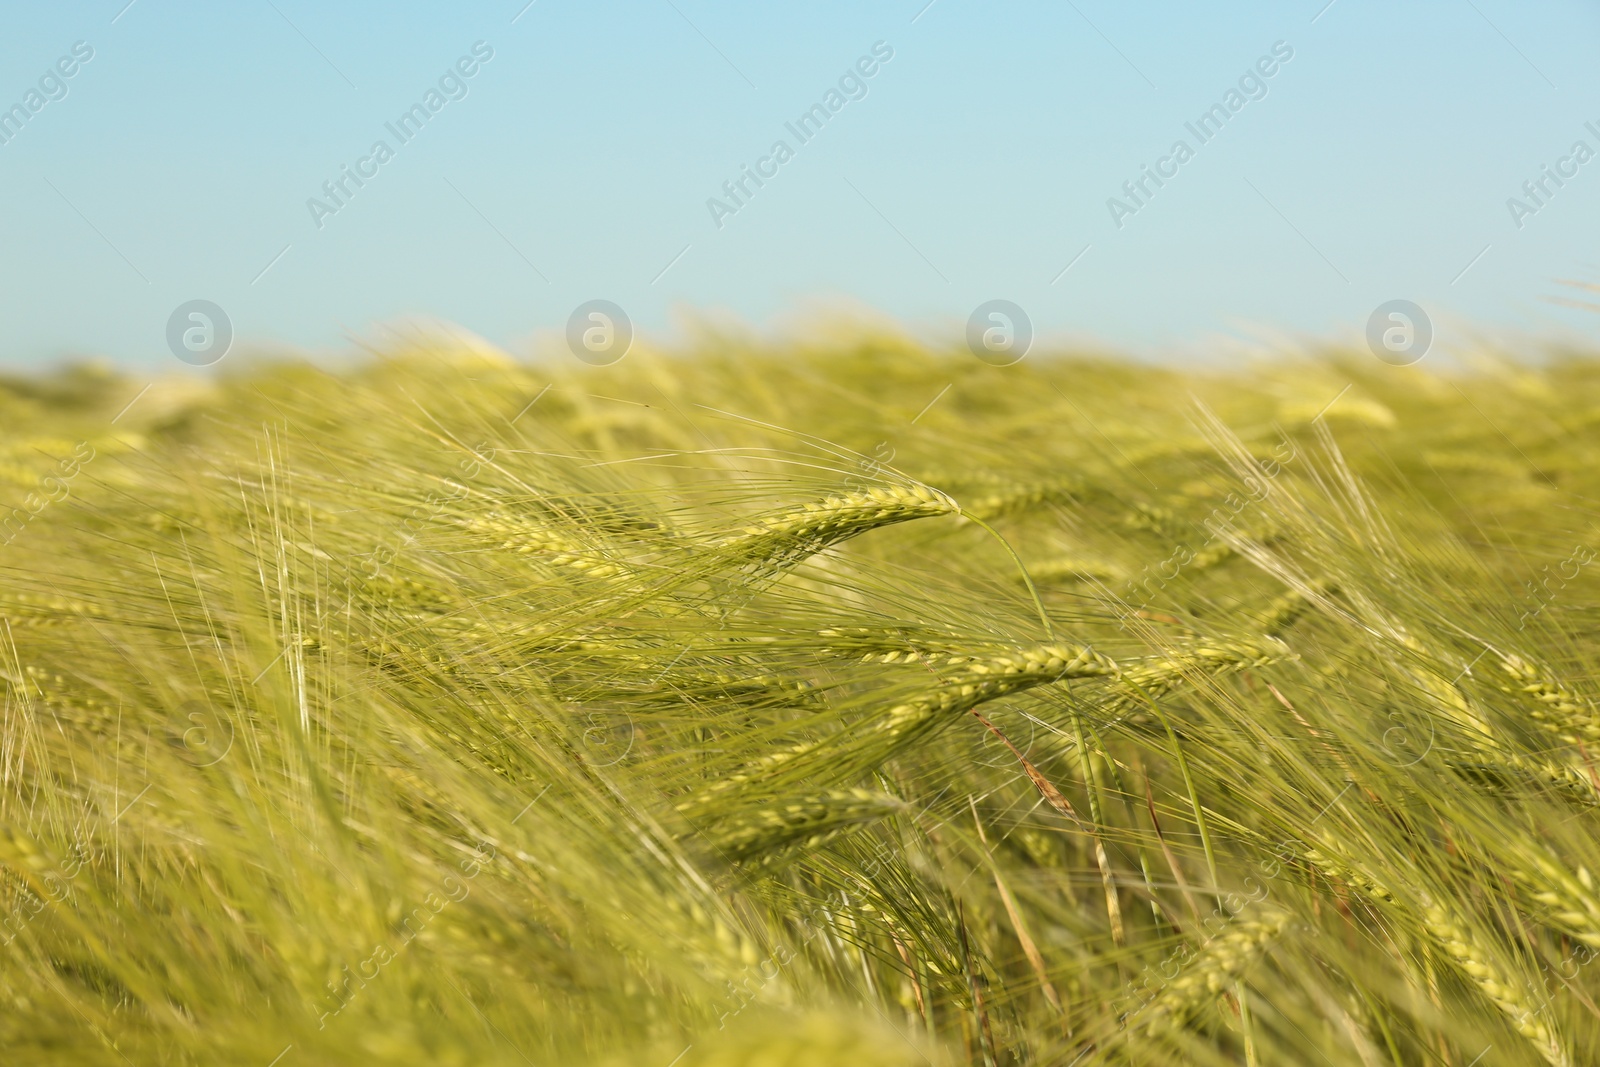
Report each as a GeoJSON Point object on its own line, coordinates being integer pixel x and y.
{"type": "Point", "coordinates": [807, 702]}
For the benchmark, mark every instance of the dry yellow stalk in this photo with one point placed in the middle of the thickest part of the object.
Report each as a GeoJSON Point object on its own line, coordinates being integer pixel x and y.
{"type": "Point", "coordinates": [1030, 948]}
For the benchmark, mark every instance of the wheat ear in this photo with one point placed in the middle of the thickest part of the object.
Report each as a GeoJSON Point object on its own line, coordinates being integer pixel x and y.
{"type": "Point", "coordinates": [1219, 964]}
{"type": "Point", "coordinates": [974, 681]}
{"type": "Point", "coordinates": [758, 831]}
{"type": "Point", "coordinates": [815, 525]}
{"type": "Point", "coordinates": [1461, 944]}
{"type": "Point", "coordinates": [1556, 710]}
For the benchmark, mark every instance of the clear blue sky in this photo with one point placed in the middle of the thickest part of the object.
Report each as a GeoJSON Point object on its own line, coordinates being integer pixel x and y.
{"type": "Point", "coordinates": [978, 165]}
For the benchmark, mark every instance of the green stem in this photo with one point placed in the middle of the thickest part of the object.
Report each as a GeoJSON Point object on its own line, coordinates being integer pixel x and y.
{"type": "Point", "coordinates": [1033, 591]}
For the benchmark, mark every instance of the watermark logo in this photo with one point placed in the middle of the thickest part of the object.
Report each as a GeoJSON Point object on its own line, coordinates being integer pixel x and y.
{"type": "Point", "coordinates": [999, 333]}
{"type": "Point", "coordinates": [52, 86]}
{"type": "Point", "coordinates": [1538, 191]}
{"type": "Point", "coordinates": [1252, 85]}
{"type": "Point", "coordinates": [431, 507]}
{"type": "Point", "coordinates": [341, 993]}
{"type": "Point", "coordinates": [205, 734]}
{"type": "Point", "coordinates": [338, 191]}
{"type": "Point", "coordinates": [599, 332]}
{"type": "Point", "coordinates": [1406, 739]}
{"type": "Point", "coordinates": [199, 333]}
{"type": "Point", "coordinates": [52, 488]}
{"type": "Point", "coordinates": [737, 192]}
{"type": "Point", "coordinates": [1399, 333]}
{"type": "Point", "coordinates": [610, 742]}
{"type": "Point", "coordinates": [56, 884]}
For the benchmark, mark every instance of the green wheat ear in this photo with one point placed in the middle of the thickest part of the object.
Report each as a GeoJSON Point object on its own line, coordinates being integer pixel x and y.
{"type": "Point", "coordinates": [797, 821]}
{"type": "Point", "coordinates": [526, 537]}
{"type": "Point", "coordinates": [1556, 710]}
{"type": "Point", "coordinates": [970, 682]}
{"type": "Point", "coordinates": [812, 527]}
{"type": "Point", "coordinates": [1220, 963]}
{"type": "Point", "coordinates": [1458, 938]}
